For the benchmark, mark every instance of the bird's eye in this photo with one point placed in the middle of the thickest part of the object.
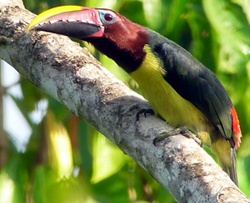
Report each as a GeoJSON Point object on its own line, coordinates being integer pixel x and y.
{"type": "Point", "coordinates": [107, 17]}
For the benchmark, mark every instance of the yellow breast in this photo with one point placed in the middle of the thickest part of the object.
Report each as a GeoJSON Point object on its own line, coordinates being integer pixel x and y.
{"type": "Point", "coordinates": [164, 100]}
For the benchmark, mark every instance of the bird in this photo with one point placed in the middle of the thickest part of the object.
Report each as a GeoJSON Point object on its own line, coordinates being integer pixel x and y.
{"type": "Point", "coordinates": [179, 88]}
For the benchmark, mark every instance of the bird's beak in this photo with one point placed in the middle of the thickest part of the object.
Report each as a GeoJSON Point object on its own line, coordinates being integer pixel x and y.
{"type": "Point", "coordinates": [73, 21]}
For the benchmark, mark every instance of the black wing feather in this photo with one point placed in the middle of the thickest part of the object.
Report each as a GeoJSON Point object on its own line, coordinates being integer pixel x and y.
{"type": "Point", "coordinates": [194, 82]}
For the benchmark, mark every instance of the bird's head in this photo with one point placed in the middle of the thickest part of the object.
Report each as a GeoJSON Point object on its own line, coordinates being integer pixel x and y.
{"type": "Point", "coordinates": [110, 33]}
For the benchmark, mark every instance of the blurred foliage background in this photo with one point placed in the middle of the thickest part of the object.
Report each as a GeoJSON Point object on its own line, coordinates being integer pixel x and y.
{"type": "Point", "coordinates": [65, 160]}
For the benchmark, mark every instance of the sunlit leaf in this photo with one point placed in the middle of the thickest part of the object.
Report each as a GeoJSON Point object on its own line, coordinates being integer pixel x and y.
{"type": "Point", "coordinates": [107, 158]}
{"type": "Point", "coordinates": [7, 188]}
{"type": "Point", "coordinates": [133, 10]}
{"type": "Point", "coordinates": [59, 147]}
{"type": "Point", "coordinates": [243, 175]}
{"type": "Point", "coordinates": [245, 4]}
{"type": "Point", "coordinates": [202, 45]}
{"type": "Point", "coordinates": [176, 15]}
{"type": "Point", "coordinates": [100, 3]}
{"type": "Point", "coordinates": [232, 30]}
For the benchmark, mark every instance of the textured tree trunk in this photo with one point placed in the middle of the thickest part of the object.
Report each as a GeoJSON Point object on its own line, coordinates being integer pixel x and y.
{"type": "Point", "coordinates": [72, 76]}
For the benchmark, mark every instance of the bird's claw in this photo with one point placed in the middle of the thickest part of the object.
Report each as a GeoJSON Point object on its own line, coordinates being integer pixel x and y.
{"type": "Point", "coordinates": [144, 112]}
{"type": "Point", "coordinates": [180, 130]}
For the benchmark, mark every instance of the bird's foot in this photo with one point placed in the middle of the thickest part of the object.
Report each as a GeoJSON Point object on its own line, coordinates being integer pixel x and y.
{"type": "Point", "coordinates": [180, 130]}
{"type": "Point", "coordinates": [144, 112]}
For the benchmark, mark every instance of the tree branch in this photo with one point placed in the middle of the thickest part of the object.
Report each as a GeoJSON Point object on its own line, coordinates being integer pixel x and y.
{"type": "Point", "coordinates": [72, 76]}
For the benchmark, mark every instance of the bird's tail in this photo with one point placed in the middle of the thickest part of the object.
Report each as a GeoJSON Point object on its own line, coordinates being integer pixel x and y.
{"type": "Point", "coordinates": [227, 158]}
{"type": "Point", "coordinates": [232, 170]}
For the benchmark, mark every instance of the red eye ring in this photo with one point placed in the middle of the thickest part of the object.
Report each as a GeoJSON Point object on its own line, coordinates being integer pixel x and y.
{"type": "Point", "coordinates": [108, 17]}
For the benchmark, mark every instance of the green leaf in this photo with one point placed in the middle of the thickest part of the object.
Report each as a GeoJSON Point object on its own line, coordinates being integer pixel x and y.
{"type": "Point", "coordinates": [243, 175]}
{"type": "Point", "coordinates": [232, 34]}
{"type": "Point", "coordinates": [201, 46]}
{"type": "Point", "coordinates": [107, 158]}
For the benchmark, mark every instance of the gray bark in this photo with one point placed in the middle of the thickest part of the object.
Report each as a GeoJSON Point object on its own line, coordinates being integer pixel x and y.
{"type": "Point", "coordinates": [72, 76]}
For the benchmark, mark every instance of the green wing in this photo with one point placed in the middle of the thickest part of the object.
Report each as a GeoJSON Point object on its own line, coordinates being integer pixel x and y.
{"type": "Point", "coordinates": [194, 82]}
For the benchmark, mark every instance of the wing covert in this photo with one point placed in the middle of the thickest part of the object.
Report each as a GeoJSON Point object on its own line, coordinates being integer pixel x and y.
{"type": "Point", "coordinates": [195, 83]}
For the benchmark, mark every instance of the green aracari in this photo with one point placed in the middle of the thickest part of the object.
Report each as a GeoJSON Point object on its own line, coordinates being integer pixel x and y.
{"type": "Point", "coordinates": [179, 88]}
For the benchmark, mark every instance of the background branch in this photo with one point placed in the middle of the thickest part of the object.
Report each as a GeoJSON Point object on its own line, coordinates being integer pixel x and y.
{"type": "Point", "coordinates": [72, 76]}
